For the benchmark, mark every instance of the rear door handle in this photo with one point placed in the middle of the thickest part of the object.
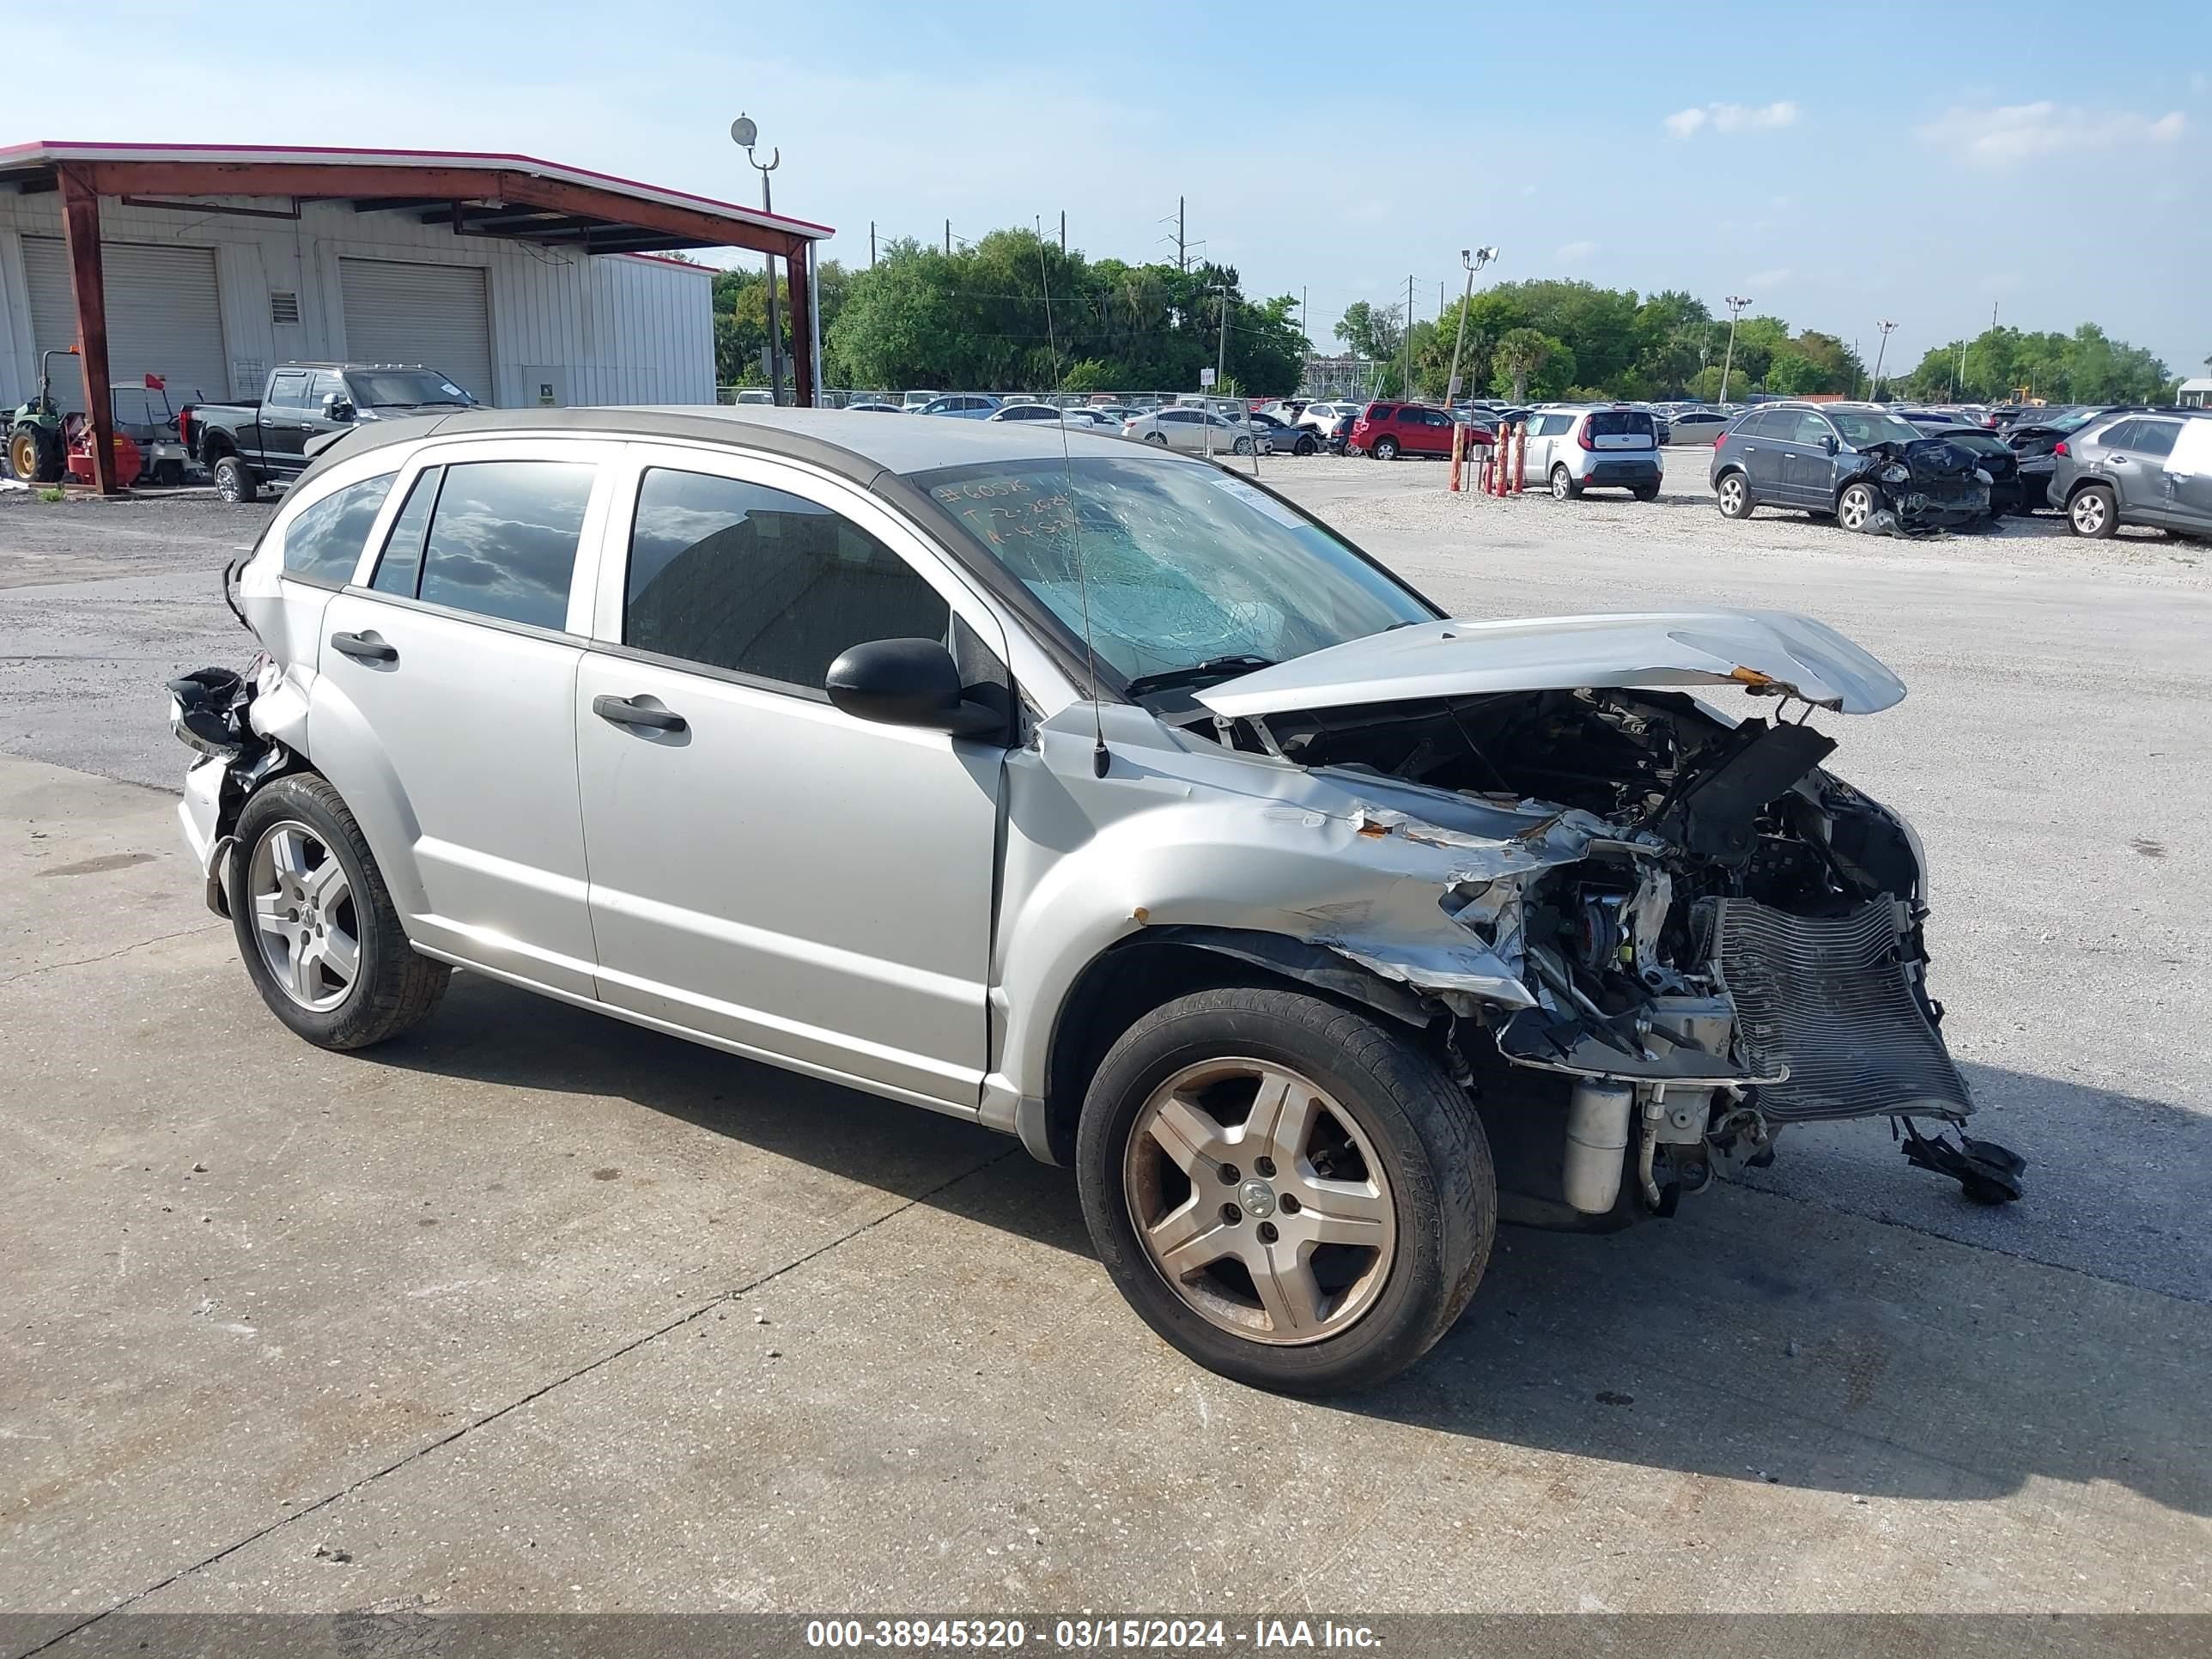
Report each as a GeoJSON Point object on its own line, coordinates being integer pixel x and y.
{"type": "Point", "coordinates": [623, 712]}
{"type": "Point", "coordinates": [367, 647]}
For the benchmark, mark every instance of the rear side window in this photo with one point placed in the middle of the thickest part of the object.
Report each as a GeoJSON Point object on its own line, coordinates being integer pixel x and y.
{"type": "Point", "coordinates": [739, 576]}
{"type": "Point", "coordinates": [2120, 434]}
{"type": "Point", "coordinates": [1381, 412]}
{"type": "Point", "coordinates": [323, 544]}
{"type": "Point", "coordinates": [1553, 425]}
{"type": "Point", "coordinates": [2155, 437]}
{"type": "Point", "coordinates": [503, 539]}
{"type": "Point", "coordinates": [1769, 424]}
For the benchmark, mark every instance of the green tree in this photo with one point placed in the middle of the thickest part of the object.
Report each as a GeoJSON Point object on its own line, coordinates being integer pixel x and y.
{"type": "Point", "coordinates": [1521, 354]}
{"type": "Point", "coordinates": [1372, 330]}
{"type": "Point", "coordinates": [1794, 375]}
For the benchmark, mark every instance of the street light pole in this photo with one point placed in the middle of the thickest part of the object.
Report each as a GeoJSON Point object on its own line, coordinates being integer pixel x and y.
{"type": "Point", "coordinates": [1473, 259]}
{"type": "Point", "coordinates": [745, 132]}
{"type": "Point", "coordinates": [1885, 325]}
{"type": "Point", "coordinates": [1736, 303]}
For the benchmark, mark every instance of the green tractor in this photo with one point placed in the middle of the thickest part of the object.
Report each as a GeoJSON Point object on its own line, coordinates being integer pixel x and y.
{"type": "Point", "coordinates": [36, 451]}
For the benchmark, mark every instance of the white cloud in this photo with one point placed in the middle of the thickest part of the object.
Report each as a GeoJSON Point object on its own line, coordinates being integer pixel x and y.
{"type": "Point", "coordinates": [1774, 278]}
{"type": "Point", "coordinates": [1731, 118]}
{"type": "Point", "coordinates": [1574, 252]}
{"type": "Point", "coordinates": [2006, 134]}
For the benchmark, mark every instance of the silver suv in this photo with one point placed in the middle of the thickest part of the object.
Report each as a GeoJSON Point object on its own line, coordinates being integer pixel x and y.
{"type": "Point", "coordinates": [1572, 448]}
{"type": "Point", "coordinates": [2139, 468]}
{"type": "Point", "coordinates": [1087, 791]}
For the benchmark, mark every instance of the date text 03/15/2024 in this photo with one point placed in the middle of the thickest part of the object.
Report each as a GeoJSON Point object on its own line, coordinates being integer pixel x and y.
{"type": "Point", "coordinates": [1088, 1634]}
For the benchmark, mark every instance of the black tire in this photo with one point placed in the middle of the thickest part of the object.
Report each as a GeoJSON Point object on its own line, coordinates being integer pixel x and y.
{"type": "Point", "coordinates": [235, 482]}
{"type": "Point", "coordinates": [1734, 502]}
{"type": "Point", "coordinates": [1159, 438]}
{"type": "Point", "coordinates": [1647, 492]}
{"type": "Point", "coordinates": [1563, 487]}
{"type": "Point", "coordinates": [394, 987]}
{"type": "Point", "coordinates": [1303, 446]}
{"type": "Point", "coordinates": [1241, 447]}
{"type": "Point", "coordinates": [1431, 1145]}
{"type": "Point", "coordinates": [1385, 449]}
{"type": "Point", "coordinates": [35, 454]}
{"type": "Point", "coordinates": [1856, 505]}
{"type": "Point", "coordinates": [2092, 511]}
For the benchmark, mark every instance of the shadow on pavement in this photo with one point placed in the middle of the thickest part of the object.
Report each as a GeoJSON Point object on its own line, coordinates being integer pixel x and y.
{"type": "Point", "coordinates": [1753, 1337]}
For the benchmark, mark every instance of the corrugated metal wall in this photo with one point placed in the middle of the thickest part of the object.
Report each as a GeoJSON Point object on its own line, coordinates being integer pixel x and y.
{"type": "Point", "coordinates": [607, 329]}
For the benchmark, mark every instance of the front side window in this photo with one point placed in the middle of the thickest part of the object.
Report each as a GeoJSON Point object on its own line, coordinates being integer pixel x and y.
{"type": "Point", "coordinates": [287, 389]}
{"type": "Point", "coordinates": [1810, 428]}
{"type": "Point", "coordinates": [1179, 564]}
{"type": "Point", "coordinates": [503, 539]}
{"type": "Point", "coordinates": [323, 544]}
{"type": "Point", "coordinates": [739, 576]}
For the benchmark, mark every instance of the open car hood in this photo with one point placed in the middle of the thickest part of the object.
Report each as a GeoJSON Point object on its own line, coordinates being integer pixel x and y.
{"type": "Point", "coordinates": [1767, 651]}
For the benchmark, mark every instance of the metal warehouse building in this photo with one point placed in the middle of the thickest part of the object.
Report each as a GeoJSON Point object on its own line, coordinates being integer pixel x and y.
{"type": "Point", "coordinates": [526, 281]}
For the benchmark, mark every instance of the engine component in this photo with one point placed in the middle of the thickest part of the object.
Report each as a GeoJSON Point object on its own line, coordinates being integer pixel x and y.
{"type": "Point", "coordinates": [1829, 1000]}
{"type": "Point", "coordinates": [1598, 1112]}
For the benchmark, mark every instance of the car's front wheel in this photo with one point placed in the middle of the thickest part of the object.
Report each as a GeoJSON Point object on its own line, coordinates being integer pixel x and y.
{"type": "Point", "coordinates": [1291, 1195]}
{"type": "Point", "coordinates": [2093, 513]}
{"type": "Point", "coordinates": [322, 940]}
{"type": "Point", "coordinates": [1303, 446]}
{"type": "Point", "coordinates": [1855, 505]}
{"type": "Point", "coordinates": [1244, 446]}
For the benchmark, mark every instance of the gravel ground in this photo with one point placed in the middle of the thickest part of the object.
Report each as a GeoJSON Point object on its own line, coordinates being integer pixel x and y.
{"type": "Point", "coordinates": [2051, 753]}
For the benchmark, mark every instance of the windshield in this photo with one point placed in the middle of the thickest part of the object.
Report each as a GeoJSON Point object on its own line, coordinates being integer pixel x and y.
{"type": "Point", "coordinates": [1861, 427]}
{"type": "Point", "coordinates": [1183, 564]}
{"type": "Point", "coordinates": [387, 388]}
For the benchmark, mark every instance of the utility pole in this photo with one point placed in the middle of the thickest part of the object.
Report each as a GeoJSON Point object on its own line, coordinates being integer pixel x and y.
{"type": "Point", "coordinates": [1473, 259]}
{"type": "Point", "coordinates": [1063, 232]}
{"type": "Point", "coordinates": [948, 238]}
{"type": "Point", "coordinates": [1736, 303]}
{"type": "Point", "coordinates": [1885, 325]}
{"type": "Point", "coordinates": [871, 244]}
{"type": "Point", "coordinates": [1406, 390]}
{"type": "Point", "coordinates": [1183, 249]}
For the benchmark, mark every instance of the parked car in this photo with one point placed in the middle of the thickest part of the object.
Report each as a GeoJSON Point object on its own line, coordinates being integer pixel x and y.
{"type": "Point", "coordinates": [142, 413]}
{"type": "Point", "coordinates": [2137, 469]}
{"type": "Point", "coordinates": [1195, 431]}
{"type": "Point", "coordinates": [1339, 433]}
{"type": "Point", "coordinates": [1255, 887]}
{"type": "Point", "coordinates": [913, 403]}
{"type": "Point", "coordinates": [960, 406]}
{"type": "Point", "coordinates": [1283, 438]}
{"type": "Point", "coordinates": [2033, 442]}
{"type": "Point", "coordinates": [1084, 419]}
{"type": "Point", "coordinates": [1030, 410]}
{"type": "Point", "coordinates": [246, 445]}
{"type": "Point", "coordinates": [1323, 416]}
{"type": "Point", "coordinates": [871, 406]}
{"type": "Point", "coordinates": [1857, 461]}
{"type": "Point", "coordinates": [1995, 457]}
{"type": "Point", "coordinates": [1696, 426]}
{"type": "Point", "coordinates": [1387, 430]}
{"type": "Point", "coordinates": [1572, 449]}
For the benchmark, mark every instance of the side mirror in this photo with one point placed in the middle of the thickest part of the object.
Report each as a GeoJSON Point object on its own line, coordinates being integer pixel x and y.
{"type": "Point", "coordinates": [908, 683]}
{"type": "Point", "coordinates": [1828, 444]}
{"type": "Point", "coordinates": [336, 407]}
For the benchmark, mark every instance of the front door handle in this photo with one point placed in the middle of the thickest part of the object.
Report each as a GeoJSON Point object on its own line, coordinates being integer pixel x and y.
{"type": "Point", "coordinates": [365, 648]}
{"type": "Point", "coordinates": [623, 712]}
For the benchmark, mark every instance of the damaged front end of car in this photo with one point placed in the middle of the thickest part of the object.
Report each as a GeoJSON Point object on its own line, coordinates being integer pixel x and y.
{"type": "Point", "coordinates": [1921, 487]}
{"type": "Point", "coordinates": [1678, 934]}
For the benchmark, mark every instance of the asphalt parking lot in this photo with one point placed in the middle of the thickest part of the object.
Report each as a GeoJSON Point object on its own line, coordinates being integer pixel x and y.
{"type": "Point", "coordinates": [533, 1311]}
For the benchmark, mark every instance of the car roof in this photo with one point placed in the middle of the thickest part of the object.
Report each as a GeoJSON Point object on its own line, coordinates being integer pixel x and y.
{"type": "Point", "coordinates": [837, 439]}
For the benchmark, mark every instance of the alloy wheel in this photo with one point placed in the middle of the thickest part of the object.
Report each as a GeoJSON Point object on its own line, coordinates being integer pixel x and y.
{"type": "Point", "coordinates": [304, 918]}
{"type": "Point", "coordinates": [2089, 512]}
{"type": "Point", "coordinates": [1260, 1201]}
{"type": "Point", "coordinates": [1856, 507]}
{"type": "Point", "coordinates": [1562, 486]}
{"type": "Point", "coordinates": [1732, 496]}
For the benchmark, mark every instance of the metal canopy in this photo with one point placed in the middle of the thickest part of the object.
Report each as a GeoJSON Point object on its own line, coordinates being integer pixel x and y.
{"type": "Point", "coordinates": [511, 197]}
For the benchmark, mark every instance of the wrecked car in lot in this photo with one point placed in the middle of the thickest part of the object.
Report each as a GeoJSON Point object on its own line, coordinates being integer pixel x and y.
{"type": "Point", "coordinates": [1858, 462]}
{"type": "Point", "coordinates": [1096, 795]}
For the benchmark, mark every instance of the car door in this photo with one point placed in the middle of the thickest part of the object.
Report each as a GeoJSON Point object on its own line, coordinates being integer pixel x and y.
{"type": "Point", "coordinates": [791, 881]}
{"type": "Point", "coordinates": [2136, 459]}
{"type": "Point", "coordinates": [444, 705]}
{"type": "Point", "coordinates": [1809, 470]}
{"type": "Point", "coordinates": [284, 422]}
{"type": "Point", "coordinates": [1763, 449]}
{"type": "Point", "coordinates": [1185, 430]}
{"type": "Point", "coordinates": [2189, 477]}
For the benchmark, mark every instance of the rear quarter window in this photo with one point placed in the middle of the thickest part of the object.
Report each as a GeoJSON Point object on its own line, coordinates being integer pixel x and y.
{"type": "Point", "coordinates": [325, 543]}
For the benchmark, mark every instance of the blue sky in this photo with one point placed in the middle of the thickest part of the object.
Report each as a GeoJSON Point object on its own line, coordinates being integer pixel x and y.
{"type": "Point", "coordinates": [1838, 165]}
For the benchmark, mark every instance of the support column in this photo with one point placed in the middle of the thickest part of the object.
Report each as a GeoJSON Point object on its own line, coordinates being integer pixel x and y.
{"type": "Point", "coordinates": [81, 223]}
{"type": "Point", "coordinates": [799, 292]}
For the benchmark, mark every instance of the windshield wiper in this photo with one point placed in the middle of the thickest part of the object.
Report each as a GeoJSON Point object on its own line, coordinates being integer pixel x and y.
{"type": "Point", "coordinates": [1213, 668]}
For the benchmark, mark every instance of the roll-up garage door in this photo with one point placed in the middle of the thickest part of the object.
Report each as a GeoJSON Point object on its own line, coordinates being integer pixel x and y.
{"type": "Point", "coordinates": [163, 317]}
{"type": "Point", "coordinates": [432, 315]}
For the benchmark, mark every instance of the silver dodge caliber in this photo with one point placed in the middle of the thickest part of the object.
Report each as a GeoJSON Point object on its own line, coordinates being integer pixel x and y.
{"type": "Point", "coordinates": [1094, 794]}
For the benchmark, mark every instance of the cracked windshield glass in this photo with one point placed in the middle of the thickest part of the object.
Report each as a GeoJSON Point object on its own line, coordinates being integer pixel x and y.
{"type": "Point", "coordinates": [1184, 566]}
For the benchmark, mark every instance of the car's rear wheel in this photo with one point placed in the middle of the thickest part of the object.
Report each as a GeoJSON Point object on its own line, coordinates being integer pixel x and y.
{"type": "Point", "coordinates": [1647, 492]}
{"type": "Point", "coordinates": [322, 941]}
{"type": "Point", "coordinates": [1855, 505]}
{"type": "Point", "coordinates": [233, 481]}
{"type": "Point", "coordinates": [1290, 1193]}
{"type": "Point", "coordinates": [2093, 512]}
{"type": "Point", "coordinates": [1385, 449]}
{"type": "Point", "coordinates": [1733, 493]}
{"type": "Point", "coordinates": [1159, 438]}
{"type": "Point", "coordinates": [1563, 487]}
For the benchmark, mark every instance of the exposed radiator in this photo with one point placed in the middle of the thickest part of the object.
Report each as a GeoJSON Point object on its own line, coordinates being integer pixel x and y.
{"type": "Point", "coordinates": [1830, 999]}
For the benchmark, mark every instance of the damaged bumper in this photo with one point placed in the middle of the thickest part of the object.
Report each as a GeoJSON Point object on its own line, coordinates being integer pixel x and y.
{"type": "Point", "coordinates": [1924, 486]}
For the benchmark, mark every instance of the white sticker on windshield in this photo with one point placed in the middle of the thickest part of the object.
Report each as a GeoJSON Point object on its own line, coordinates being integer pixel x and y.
{"type": "Point", "coordinates": [1259, 501]}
